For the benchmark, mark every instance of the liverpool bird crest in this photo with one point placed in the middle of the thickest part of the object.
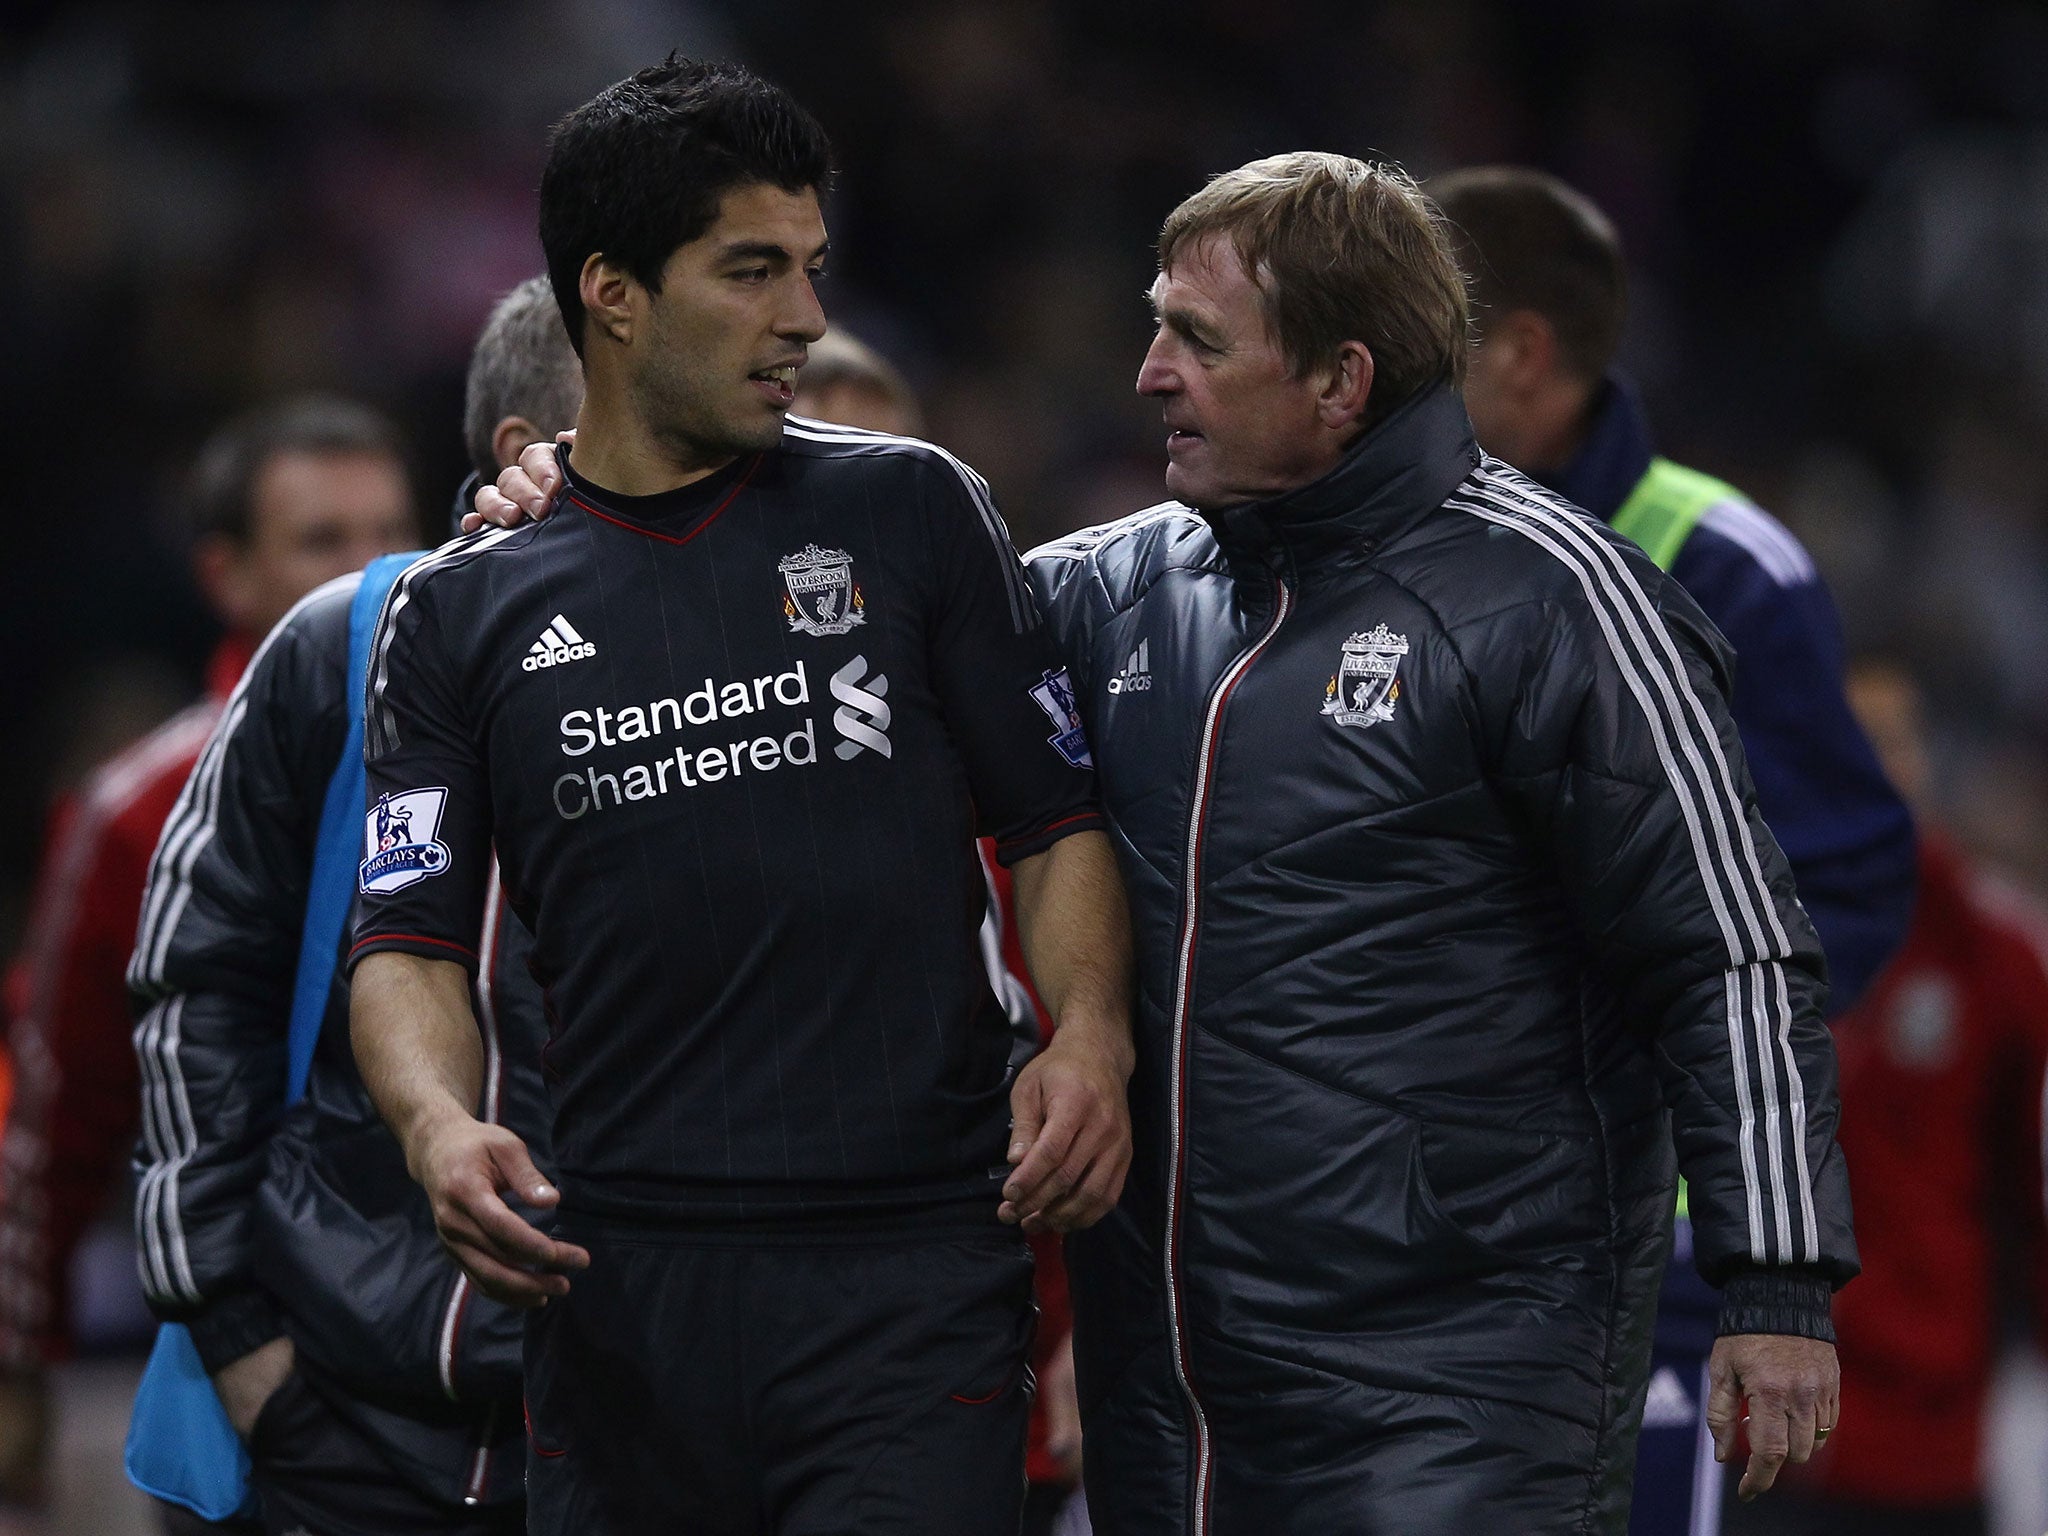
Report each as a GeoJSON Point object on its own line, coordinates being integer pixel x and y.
{"type": "Point", "coordinates": [1365, 687]}
{"type": "Point", "coordinates": [820, 596]}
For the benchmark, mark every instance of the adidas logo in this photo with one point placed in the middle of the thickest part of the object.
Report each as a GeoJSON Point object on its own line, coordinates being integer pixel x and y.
{"type": "Point", "coordinates": [1668, 1405]}
{"type": "Point", "coordinates": [1136, 676]}
{"type": "Point", "coordinates": [558, 643]}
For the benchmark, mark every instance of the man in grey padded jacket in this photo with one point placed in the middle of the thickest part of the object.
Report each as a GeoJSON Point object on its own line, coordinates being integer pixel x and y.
{"type": "Point", "coordinates": [1454, 913]}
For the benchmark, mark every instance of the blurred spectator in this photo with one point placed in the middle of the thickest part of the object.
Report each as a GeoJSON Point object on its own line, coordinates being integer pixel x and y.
{"type": "Point", "coordinates": [309, 1275]}
{"type": "Point", "coordinates": [849, 382]}
{"type": "Point", "coordinates": [282, 500]}
{"type": "Point", "coordinates": [1942, 1071]}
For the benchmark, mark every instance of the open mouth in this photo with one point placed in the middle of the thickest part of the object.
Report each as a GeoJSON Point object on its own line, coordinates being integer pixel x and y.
{"type": "Point", "coordinates": [778, 383]}
{"type": "Point", "coordinates": [1179, 437]}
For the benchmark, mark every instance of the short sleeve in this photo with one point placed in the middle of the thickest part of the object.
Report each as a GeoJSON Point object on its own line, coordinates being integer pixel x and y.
{"type": "Point", "coordinates": [1005, 691]}
{"type": "Point", "coordinates": [426, 849]}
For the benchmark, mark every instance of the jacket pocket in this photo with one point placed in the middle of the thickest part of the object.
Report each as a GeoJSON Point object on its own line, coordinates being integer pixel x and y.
{"type": "Point", "coordinates": [1514, 1196]}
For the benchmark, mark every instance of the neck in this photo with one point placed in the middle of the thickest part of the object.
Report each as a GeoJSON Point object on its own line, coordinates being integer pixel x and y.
{"type": "Point", "coordinates": [617, 448]}
{"type": "Point", "coordinates": [1558, 428]}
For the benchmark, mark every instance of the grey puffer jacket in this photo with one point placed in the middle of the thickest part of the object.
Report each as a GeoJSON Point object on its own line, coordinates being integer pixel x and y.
{"type": "Point", "coordinates": [1454, 916]}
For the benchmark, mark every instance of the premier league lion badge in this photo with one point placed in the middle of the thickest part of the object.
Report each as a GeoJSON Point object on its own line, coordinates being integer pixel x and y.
{"type": "Point", "coordinates": [1365, 689]}
{"type": "Point", "coordinates": [399, 837]}
{"type": "Point", "coordinates": [821, 597]}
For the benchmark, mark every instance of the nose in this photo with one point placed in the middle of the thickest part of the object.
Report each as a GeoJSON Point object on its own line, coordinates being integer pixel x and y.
{"type": "Point", "coordinates": [1156, 375]}
{"type": "Point", "coordinates": [805, 320]}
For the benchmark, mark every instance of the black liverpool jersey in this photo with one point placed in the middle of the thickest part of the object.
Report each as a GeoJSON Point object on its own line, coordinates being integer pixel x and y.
{"type": "Point", "coordinates": [733, 743]}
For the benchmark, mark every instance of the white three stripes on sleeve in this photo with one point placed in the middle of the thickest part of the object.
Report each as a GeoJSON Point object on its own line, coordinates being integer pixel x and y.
{"type": "Point", "coordinates": [1758, 999]}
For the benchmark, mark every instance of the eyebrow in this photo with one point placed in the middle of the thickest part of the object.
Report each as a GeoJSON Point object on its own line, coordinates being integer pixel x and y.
{"type": "Point", "coordinates": [768, 250]}
{"type": "Point", "coordinates": [1181, 323]}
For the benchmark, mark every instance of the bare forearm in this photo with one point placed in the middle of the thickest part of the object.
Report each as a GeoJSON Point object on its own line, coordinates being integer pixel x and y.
{"type": "Point", "coordinates": [416, 1042]}
{"type": "Point", "coordinates": [1076, 933]}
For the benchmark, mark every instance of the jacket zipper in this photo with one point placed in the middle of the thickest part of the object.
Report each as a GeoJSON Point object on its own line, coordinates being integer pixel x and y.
{"type": "Point", "coordinates": [1183, 997]}
{"type": "Point", "coordinates": [494, 1065]}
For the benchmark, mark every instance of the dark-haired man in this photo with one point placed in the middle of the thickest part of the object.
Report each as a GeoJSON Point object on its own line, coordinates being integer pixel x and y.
{"type": "Point", "coordinates": [1549, 299]}
{"type": "Point", "coordinates": [732, 720]}
{"type": "Point", "coordinates": [280, 500]}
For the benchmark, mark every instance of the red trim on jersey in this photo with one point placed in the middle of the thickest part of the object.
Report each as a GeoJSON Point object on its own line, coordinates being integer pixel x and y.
{"type": "Point", "coordinates": [410, 938]}
{"type": "Point", "coordinates": [670, 538]}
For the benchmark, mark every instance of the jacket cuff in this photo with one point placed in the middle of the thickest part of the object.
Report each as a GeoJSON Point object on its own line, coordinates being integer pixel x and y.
{"type": "Point", "coordinates": [232, 1326]}
{"type": "Point", "coordinates": [1791, 1300]}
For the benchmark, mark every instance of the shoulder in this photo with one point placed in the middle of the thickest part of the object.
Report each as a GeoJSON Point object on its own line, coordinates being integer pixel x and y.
{"type": "Point", "coordinates": [1121, 560]}
{"type": "Point", "coordinates": [827, 448]}
{"type": "Point", "coordinates": [128, 796]}
{"type": "Point", "coordinates": [448, 573]}
{"type": "Point", "coordinates": [1735, 534]}
{"type": "Point", "coordinates": [1502, 542]}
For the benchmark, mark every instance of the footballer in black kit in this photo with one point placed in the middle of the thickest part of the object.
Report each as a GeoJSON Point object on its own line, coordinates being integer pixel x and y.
{"type": "Point", "coordinates": [733, 742]}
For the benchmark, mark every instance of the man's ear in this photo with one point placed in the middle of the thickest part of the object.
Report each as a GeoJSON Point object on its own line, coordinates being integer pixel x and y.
{"type": "Point", "coordinates": [607, 294]}
{"type": "Point", "coordinates": [1347, 386]}
{"type": "Point", "coordinates": [221, 567]}
{"type": "Point", "coordinates": [1529, 354]}
{"type": "Point", "coordinates": [510, 437]}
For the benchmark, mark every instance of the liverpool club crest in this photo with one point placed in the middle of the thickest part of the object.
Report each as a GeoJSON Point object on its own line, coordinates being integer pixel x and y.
{"type": "Point", "coordinates": [1364, 690]}
{"type": "Point", "coordinates": [820, 596]}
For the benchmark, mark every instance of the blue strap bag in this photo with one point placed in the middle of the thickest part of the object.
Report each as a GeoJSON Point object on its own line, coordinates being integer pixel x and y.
{"type": "Point", "coordinates": [181, 1448]}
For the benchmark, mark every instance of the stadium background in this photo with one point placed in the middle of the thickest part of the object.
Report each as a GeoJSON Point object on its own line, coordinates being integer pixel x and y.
{"type": "Point", "coordinates": [1836, 213]}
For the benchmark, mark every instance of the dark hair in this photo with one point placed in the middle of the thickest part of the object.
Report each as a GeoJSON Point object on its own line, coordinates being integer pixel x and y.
{"type": "Point", "coordinates": [640, 168]}
{"type": "Point", "coordinates": [521, 366]}
{"type": "Point", "coordinates": [1528, 241]}
{"type": "Point", "coordinates": [1342, 250]}
{"type": "Point", "coordinates": [221, 496]}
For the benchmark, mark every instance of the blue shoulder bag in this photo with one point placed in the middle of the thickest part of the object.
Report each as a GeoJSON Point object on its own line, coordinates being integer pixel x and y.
{"type": "Point", "coordinates": [181, 1447]}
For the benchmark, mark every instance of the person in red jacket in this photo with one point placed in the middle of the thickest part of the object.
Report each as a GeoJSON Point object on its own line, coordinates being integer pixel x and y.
{"type": "Point", "coordinates": [1942, 1067]}
{"type": "Point", "coordinates": [283, 499]}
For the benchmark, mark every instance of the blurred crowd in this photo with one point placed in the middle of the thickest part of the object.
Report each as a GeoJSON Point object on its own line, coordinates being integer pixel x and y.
{"type": "Point", "coordinates": [1836, 215]}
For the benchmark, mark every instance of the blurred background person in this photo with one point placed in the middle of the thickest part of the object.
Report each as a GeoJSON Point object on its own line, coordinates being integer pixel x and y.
{"type": "Point", "coordinates": [1942, 1071]}
{"type": "Point", "coordinates": [375, 1389]}
{"type": "Point", "coordinates": [281, 500]}
{"type": "Point", "coordinates": [848, 382]}
{"type": "Point", "coordinates": [1549, 300]}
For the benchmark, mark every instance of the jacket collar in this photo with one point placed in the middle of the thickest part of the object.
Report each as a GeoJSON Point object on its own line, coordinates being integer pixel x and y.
{"type": "Point", "coordinates": [1402, 469]}
{"type": "Point", "coordinates": [1616, 454]}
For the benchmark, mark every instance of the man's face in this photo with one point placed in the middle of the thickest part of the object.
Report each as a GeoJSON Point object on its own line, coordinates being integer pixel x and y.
{"type": "Point", "coordinates": [1240, 426]}
{"type": "Point", "coordinates": [713, 362]}
{"type": "Point", "coordinates": [312, 517]}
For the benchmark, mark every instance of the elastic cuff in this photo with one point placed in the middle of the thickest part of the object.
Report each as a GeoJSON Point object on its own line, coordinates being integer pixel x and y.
{"type": "Point", "coordinates": [233, 1326]}
{"type": "Point", "coordinates": [1791, 1301]}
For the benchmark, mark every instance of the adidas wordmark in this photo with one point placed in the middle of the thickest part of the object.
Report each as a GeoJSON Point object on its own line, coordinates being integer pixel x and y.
{"type": "Point", "coordinates": [558, 643]}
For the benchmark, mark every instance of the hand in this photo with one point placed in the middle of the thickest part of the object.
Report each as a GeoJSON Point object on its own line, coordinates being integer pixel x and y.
{"type": "Point", "coordinates": [24, 1436]}
{"type": "Point", "coordinates": [245, 1385]}
{"type": "Point", "coordinates": [463, 1165]}
{"type": "Point", "coordinates": [1794, 1388]}
{"type": "Point", "coordinates": [1070, 1139]}
{"type": "Point", "coordinates": [524, 490]}
{"type": "Point", "coordinates": [1062, 1411]}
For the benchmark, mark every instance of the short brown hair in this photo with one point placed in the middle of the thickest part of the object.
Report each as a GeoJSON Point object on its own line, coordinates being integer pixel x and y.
{"type": "Point", "coordinates": [841, 360]}
{"type": "Point", "coordinates": [221, 495]}
{"type": "Point", "coordinates": [1343, 250]}
{"type": "Point", "coordinates": [1528, 241]}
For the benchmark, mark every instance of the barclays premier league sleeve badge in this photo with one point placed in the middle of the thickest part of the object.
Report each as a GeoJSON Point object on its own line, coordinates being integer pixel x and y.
{"type": "Point", "coordinates": [398, 836]}
{"type": "Point", "coordinates": [1055, 695]}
